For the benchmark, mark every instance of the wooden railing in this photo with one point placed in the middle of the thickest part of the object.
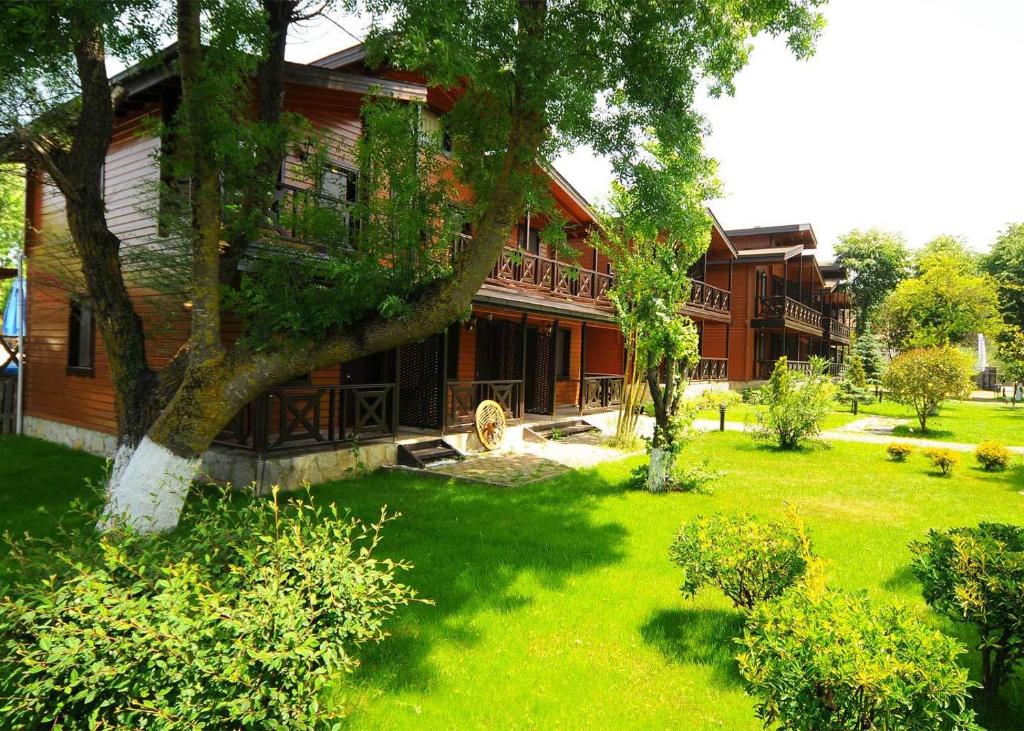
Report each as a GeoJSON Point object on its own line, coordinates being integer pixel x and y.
{"type": "Point", "coordinates": [304, 416]}
{"type": "Point", "coordinates": [561, 278]}
{"type": "Point", "coordinates": [779, 308]}
{"type": "Point", "coordinates": [711, 369]}
{"type": "Point", "coordinates": [305, 216]}
{"type": "Point", "coordinates": [763, 368]}
{"type": "Point", "coordinates": [463, 397]}
{"type": "Point", "coordinates": [601, 391]}
{"type": "Point", "coordinates": [837, 330]}
{"type": "Point", "coordinates": [704, 296]}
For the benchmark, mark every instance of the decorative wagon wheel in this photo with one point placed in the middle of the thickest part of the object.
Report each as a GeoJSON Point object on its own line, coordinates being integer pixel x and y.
{"type": "Point", "coordinates": [490, 424]}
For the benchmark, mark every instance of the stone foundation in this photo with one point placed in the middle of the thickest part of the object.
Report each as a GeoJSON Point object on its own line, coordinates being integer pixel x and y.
{"type": "Point", "coordinates": [104, 445]}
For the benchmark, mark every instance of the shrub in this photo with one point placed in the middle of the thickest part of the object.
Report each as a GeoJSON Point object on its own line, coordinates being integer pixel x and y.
{"type": "Point", "coordinates": [993, 456]}
{"type": "Point", "coordinates": [898, 452]}
{"type": "Point", "coordinates": [853, 387]}
{"type": "Point", "coordinates": [751, 395]}
{"type": "Point", "coordinates": [835, 661]}
{"type": "Point", "coordinates": [750, 560]}
{"type": "Point", "coordinates": [976, 575]}
{"type": "Point", "coordinates": [795, 404]}
{"type": "Point", "coordinates": [239, 622]}
{"type": "Point", "coordinates": [712, 400]}
{"type": "Point", "coordinates": [924, 378]}
{"type": "Point", "coordinates": [944, 459]}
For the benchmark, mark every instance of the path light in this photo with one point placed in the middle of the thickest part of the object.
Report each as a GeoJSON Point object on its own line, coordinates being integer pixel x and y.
{"type": "Point", "coordinates": [721, 417]}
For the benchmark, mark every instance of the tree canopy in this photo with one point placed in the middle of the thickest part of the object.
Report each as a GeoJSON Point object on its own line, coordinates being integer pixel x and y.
{"type": "Point", "coordinates": [1005, 262]}
{"type": "Point", "coordinates": [876, 261]}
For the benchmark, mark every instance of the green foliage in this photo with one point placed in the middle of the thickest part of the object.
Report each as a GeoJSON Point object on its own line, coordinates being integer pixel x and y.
{"type": "Point", "coordinates": [868, 348]}
{"type": "Point", "coordinates": [751, 560]}
{"type": "Point", "coordinates": [876, 261]}
{"type": "Point", "coordinates": [795, 404]}
{"type": "Point", "coordinates": [240, 623]}
{"type": "Point", "coordinates": [946, 303]}
{"type": "Point", "coordinates": [976, 575]}
{"type": "Point", "coordinates": [751, 395]}
{"type": "Point", "coordinates": [713, 399]}
{"type": "Point", "coordinates": [854, 385]}
{"type": "Point", "coordinates": [1005, 262]}
{"type": "Point", "coordinates": [993, 456]}
{"type": "Point", "coordinates": [943, 459]}
{"type": "Point", "coordinates": [924, 378]}
{"type": "Point", "coordinates": [898, 451]}
{"type": "Point", "coordinates": [834, 660]}
{"type": "Point", "coordinates": [946, 251]}
{"type": "Point", "coordinates": [1011, 354]}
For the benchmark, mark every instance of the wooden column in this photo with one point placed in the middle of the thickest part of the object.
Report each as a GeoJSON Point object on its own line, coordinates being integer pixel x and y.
{"type": "Point", "coordinates": [583, 362]}
{"type": "Point", "coordinates": [554, 376]}
{"type": "Point", "coordinates": [522, 373]}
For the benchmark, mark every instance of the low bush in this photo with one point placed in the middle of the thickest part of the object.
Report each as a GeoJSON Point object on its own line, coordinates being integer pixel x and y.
{"type": "Point", "coordinates": [898, 452]}
{"type": "Point", "coordinates": [833, 660]}
{"type": "Point", "coordinates": [993, 456]}
{"type": "Point", "coordinates": [925, 378]}
{"type": "Point", "coordinates": [749, 559]}
{"type": "Point", "coordinates": [976, 575]}
{"type": "Point", "coordinates": [751, 395]}
{"type": "Point", "coordinates": [944, 459]}
{"type": "Point", "coordinates": [713, 400]}
{"type": "Point", "coordinates": [795, 404]}
{"type": "Point", "coordinates": [238, 621]}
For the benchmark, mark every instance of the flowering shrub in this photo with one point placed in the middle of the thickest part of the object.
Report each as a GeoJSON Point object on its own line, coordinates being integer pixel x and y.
{"type": "Point", "coordinates": [239, 622]}
{"type": "Point", "coordinates": [944, 459]}
{"type": "Point", "coordinates": [833, 660]}
{"type": "Point", "coordinates": [898, 452]}
{"type": "Point", "coordinates": [750, 560]}
{"type": "Point", "coordinates": [993, 456]}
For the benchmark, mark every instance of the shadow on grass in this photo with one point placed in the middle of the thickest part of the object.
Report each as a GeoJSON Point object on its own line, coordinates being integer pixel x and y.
{"type": "Point", "coordinates": [1012, 476]}
{"type": "Point", "coordinates": [470, 545]}
{"type": "Point", "coordinates": [700, 637]}
{"type": "Point", "coordinates": [916, 433]}
{"type": "Point", "coordinates": [902, 579]}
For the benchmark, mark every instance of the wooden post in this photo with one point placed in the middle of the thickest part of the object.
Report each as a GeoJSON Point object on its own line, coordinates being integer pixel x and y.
{"type": "Point", "coordinates": [583, 362]}
{"type": "Point", "coordinates": [554, 376]}
{"type": "Point", "coordinates": [444, 381]}
{"type": "Point", "coordinates": [522, 373]}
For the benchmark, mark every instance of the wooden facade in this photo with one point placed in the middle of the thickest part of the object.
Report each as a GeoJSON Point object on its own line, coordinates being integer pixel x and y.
{"type": "Point", "coordinates": [541, 339]}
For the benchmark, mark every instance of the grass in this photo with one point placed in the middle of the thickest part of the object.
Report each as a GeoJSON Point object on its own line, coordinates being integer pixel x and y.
{"type": "Point", "coordinates": [966, 422]}
{"type": "Point", "coordinates": [556, 605]}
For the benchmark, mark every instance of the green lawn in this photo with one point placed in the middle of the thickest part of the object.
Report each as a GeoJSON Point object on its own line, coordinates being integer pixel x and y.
{"type": "Point", "coordinates": [967, 422]}
{"type": "Point", "coordinates": [556, 605]}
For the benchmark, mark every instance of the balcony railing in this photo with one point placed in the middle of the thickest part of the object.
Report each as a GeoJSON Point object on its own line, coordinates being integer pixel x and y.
{"type": "Point", "coordinates": [704, 296]}
{"type": "Point", "coordinates": [305, 216]}
{"type": "Point", "coordinates": [601, 391]}
{"type": "Point", "coordinates": [307, 416]}
{"type": "Point", "coordinates": [787, 308]}
{"type": "Point", "coordinates": [711, 369]}
{"type": "Point", "coordinates": [561, 278]}
{"type": "Point", "coordinates": [763, 368]}
{"type": "Point", "coordinates": [464, 396]}
{"type": "Point", "coordinates": [837, 330]}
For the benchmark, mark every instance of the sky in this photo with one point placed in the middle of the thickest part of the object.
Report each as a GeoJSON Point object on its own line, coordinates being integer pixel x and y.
{"type": "Point", "coordinates": [909, 117]}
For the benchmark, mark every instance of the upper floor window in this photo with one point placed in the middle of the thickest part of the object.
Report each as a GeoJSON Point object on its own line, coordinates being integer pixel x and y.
{"type": "Point", "coordinates": [81, 336]}
{"type": "Point", "coordinates": [532, 242]}
{"type": "Point", "coordinates": [339, 184]}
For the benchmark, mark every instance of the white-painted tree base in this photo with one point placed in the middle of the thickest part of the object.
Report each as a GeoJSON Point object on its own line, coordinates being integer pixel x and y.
{"type": "Point", "coordinates": [151, 488]}
{"type": "Point", "coordinates": [122, 457]}
{"type": "Point", "coordinates": [660, 470]}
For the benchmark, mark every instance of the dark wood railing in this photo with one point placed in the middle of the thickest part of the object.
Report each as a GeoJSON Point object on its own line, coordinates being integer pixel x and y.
{"type": "Point", "coordinates": [779, 308]}
{"type": "Point", "coordinates": [763, 368]}
{"type": "Point", "coordinates": [558, 277]}
{"type": "Point", "coordinates": [837, 330]}
{"type": "Point", "coordinates": [601, 391]}
{"type": "Point", "coordinates": [304, 416]}
{"type": "Point", "coordinates": [464, 396]}
{"type": "Point", "coordinates": [711, 369]}
{"type": "Point", "coordinates": [704, 296]}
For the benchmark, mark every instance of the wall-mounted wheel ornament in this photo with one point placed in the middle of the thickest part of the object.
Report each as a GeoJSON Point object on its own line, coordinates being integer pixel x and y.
{"type": "Point", "coordinates": [490, 424]}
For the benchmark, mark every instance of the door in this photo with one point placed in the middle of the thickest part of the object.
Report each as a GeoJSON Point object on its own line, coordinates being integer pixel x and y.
{"type": "Point", "coordinates": [540, 393]}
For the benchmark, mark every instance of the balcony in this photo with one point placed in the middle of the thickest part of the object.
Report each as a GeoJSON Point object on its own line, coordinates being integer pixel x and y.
{"type": "Point", "coordinates": [763, 368]}
{"type": "Point", "coordinates": [838, 331]}
{"type": "Point", "coordinates": [711, 369]}
{"type": "Point", "coordinates": [561, 279]}
{"type": "Point", "coordinates": [601, 391]}
{"type": "Point", "coordinates": [780, 311]}
{"type": "Point", "coordinates": [708, 302]}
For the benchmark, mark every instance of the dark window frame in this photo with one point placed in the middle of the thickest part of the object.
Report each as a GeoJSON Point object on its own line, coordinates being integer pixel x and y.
{"type": "Point", "coordinates": [75, 334]}
{"type": "Point", "coordinates": [525, 244]}
{"type": "Point", "coordinates": [563, 354]}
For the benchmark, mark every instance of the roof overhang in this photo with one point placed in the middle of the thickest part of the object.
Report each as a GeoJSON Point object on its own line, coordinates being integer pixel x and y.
{"type": "Point", "coordinates": [796, 233]}
{"type": "Point", "coordinates": [717, 226]}
{"type": "Point", "coordinates": [773, 254]}
{"type": "Point", "coordinates": [520, 301]}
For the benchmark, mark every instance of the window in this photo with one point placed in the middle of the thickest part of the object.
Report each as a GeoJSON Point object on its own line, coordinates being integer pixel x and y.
{"type": "Point", "coordinates": [80, 339]}
{"type": "Point", "coordinates": [563, 342]}
{"type": "Point", "coordinates": [533, 244]}
{"type": "Point", "coordinates": [339, 184]}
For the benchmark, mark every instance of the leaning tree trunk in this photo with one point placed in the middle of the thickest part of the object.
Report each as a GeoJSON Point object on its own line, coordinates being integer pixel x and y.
{"type": "Point", "coordinates": [665, 401]}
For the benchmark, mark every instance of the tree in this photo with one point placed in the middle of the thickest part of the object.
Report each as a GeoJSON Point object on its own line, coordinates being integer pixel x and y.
{"type": "Point", "coordinates": [1011, 353]}
{"type": "Point", "coordinates": [795, 404]}
{"type": "Point", "coordinates": [876, 261]}
{"type": "Point", "coordinates": [12, 224]}
{"type": "Point", "coordinates": [853, 388]}
{"type": "Point", "coordinates": [657, 226]}
{"type": "Point", "coordinates": [946, 303]}
{"type": "Point", "coordinates": [868, 348]}
{"type": "Point", "coordinates": [926, 377]}
{"type": "Point", "coordinates": [946, 251]}
{"type": "Point", "coordinates": [532, 79]}
{"type": "Point", "coordinates": [1005, 262]}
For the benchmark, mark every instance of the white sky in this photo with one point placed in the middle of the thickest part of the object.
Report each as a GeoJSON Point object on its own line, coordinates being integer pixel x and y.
{"type": "Point", "coordinates": [909, 117]}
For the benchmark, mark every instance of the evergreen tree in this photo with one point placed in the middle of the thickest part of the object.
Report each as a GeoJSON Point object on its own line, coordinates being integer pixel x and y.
{"type": "Point", "coordinates": [854, 386]}
{"type": "Point", "coordinates": [868, 349]}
